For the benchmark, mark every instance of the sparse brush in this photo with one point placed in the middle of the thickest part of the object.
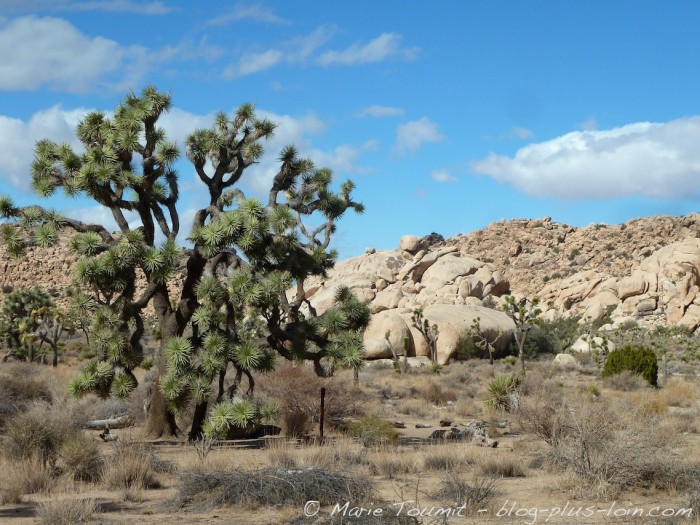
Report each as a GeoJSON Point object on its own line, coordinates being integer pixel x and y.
{"type": "Point", "coordinates": [372, 431]}
{"type": "Point", "coordinates": [501, 467]}
{"type": "Point", "coordinates": [447, 458]}
{"type": "Point", "coordinates": [29, 476]}
{"type": "Point", "coordinates": [391, 466]}
{"type": "Point", "coordinates": [679, 394]}
{"type": "Point", "coordinates": [457, 489]}
{"type": "Point", "coordinates": [436, 395]}
{"type": "Point", "coordinates": [268, 487]}
{"type": "Point", "coordinates": [80, 457]}
{"type": "Point", "coordinates": [128, 467]}
{"type": "Point", "coordinates": [625, 381]}
{"type": "Point", "coordinates": [58, 510]}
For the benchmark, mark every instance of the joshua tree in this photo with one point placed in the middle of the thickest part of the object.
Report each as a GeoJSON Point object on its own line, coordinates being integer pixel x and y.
{"type": "Point", "coordinates": [245, 255]}
{"type": "Point", "coordinates": [524, 314]}
{"type": "Point", "coordinates": [483, 339]}
{"type": "Point", "coordinates": [430, 333]}
{"type": "Point", "coordinates": [19, 321]}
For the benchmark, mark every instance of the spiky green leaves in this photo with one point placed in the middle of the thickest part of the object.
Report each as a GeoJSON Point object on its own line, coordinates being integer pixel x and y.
{"type": "Point", "coordinates": [244, 413]}
{"type": "Point", "coordinates": [96, 377]}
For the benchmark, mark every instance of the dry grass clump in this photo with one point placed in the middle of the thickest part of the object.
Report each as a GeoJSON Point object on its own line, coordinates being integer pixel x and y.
{"type": "Point", "coordinates": [625, 381]}
{"type": "Point", "coordinates": [447, 457]}
{"type": "Point", "coordinates": [501, 467]}
{"type": "Point", "coordinates": [129, 467]}
{"type": "Point", "coordinates": [81, 459]}
{"type": "Point", "coordinates": [17, 391]}
{"type": "Point", "coordinates": [414, 407]}
{"type": "Point", "coordinates": [391, 465]}
{"type": "Point", "coordinates": [41, 430]}
{"type": "Point", "coordinates": [373, 431]}
{"type": "Point", "coordinates": [268, 487]}
{"type": "Point", "coordinates": [28, 476]}
{"type": "Point", "coordinates": [338, 454]}
{"type": "Point", "coordinates": [677, 393]}
{"type": "Point", "coordinates": [57, 510]}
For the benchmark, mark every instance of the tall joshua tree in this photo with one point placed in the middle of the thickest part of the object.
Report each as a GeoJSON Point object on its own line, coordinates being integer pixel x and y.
{"type": "Point", "coordinates": [233, 306]}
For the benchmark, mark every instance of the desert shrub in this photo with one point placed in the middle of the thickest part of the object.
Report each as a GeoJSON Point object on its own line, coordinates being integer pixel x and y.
{"type": "Point", "coordinates": [625, 381]}
{"type": "Point", "coordinates": [296, 424]}
{"type": "Point", "coordinates": [296, 389]}
{"type": "Point", "coordinates": [269, 487]}
{"type": "Point", "coordinates": [446, 460]}
{"type": "Point", "coordinates": [637, 359]}
{"type": "Point", "coordinates": [457, 489]}
{"type": "Point", "coordinates": [17, 392]}
{"type": "Point", "coordinates": [501, 467]}
{"type": "Point", "coordinates": [437, 395]}
{"type": "Point", "coordinates": [28, 476]}
{"type": "Point", "coordinates": [503, 392]}
{"type": "Point", "coordinates": [373, 431]}
{"type": "Point", "coordinates": [391, 466]}
{"type": "Point", "coordinates": [80, 457]}
{"type": "Point", "coordinates": [130, 466]}
{"type": "Point", "coordinates": [66, 510]}
{"type": "Point", "coordinates": [40, 432]}
{"type": "Point", "coordinates": [609, 450]}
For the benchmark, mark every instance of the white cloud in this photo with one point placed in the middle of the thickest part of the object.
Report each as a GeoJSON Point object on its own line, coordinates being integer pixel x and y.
{"type": "Point", "coordinates": [294, 51]}
{"type": "Point", "coordinates": [412, 135]}
{"type": "Point", "coordinates": [51, 52]}
{"type": "Point", "coordinates": [590, 124]}
{"type": "Point", "coordinates": [381, 111]}
{"type": "Point", "coordinates": [385, 46]}
{"type": "Point", "coordinates": [443, 176]}
{"type": "Point", "coordinates": [17, 139]}
{"type": "Point", "coordinates": [241, 11]}
{"type": "Point", "coordinates": [114, 6]}
{"type": "Point", "coordinates": [658, 160]}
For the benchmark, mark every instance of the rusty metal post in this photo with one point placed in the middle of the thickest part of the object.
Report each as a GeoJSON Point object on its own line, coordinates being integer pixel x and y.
{"type": "Point", "coordinates": [323, 410]}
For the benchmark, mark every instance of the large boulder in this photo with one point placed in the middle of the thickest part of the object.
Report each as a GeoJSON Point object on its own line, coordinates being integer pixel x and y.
{"type": "Point", "coordinates": [454, 320]}
{"type": "Point", "coordinates": [376, 344]}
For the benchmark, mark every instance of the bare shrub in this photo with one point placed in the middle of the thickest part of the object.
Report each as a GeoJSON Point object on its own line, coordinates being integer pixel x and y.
{"type": "Point", "coordinates": [268, 487]}
{"type": "Point", "coordinates": [66, 510]}
{"type": "Point", "coordinates": [296, 424]}
{"type": "Point", "coordinates": [543, 415]}
{"type": "Point", "coordinates": [437, 395]}
{"type": "Point", "coordinates": [129, 467]}
{"type": "Point", "coordinates": [625, 381]}
{"type": "Point", "coordinates": [609, 450]}
{"type": "Point", "coordinates": [296, 389]}
{"type": "Point", "coordinates": [474, 494]}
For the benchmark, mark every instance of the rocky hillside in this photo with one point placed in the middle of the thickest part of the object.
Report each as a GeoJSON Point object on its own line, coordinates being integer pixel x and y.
{"type": "Point", "coordinates": [647, 269]}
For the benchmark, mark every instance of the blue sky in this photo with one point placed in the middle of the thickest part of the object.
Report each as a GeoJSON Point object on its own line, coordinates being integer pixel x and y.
{"type": "Point", "coordinates": [447, 116]}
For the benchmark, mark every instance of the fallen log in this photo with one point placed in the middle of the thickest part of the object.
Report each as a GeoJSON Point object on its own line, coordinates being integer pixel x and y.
{"type": "Point", "coordinates": [117, 422]}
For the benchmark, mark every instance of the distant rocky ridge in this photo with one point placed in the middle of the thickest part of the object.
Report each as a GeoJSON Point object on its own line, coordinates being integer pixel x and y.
{"type": "Point", "coordinates": [647, 269]}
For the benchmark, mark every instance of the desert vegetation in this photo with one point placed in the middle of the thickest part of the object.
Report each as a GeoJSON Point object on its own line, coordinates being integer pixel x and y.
{"type": "Point", "coordinates": [220, 391]}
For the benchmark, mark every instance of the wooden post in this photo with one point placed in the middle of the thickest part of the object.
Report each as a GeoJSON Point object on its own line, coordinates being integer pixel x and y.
{"type": "Point", "coordinates": [323, 410]}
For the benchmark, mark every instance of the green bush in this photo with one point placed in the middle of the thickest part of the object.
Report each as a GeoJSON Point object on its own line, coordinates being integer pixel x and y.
{"type": "Point", "coordinates": [637, 359]}
{"type": "Point", "coordinates": [503, 392]}
{"type": "Point", "coordinates": [373, 431]}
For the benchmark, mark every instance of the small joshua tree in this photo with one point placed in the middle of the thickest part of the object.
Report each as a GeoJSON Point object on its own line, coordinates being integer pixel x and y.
{"type": "Point", "coordinates": [483, 339]}
{"type": "Point", "coordinates": [430, 334]}
{"type": "Point", "coordinates": [19, 321]}
{"type": "Point", "coordinates": [524, 314]}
